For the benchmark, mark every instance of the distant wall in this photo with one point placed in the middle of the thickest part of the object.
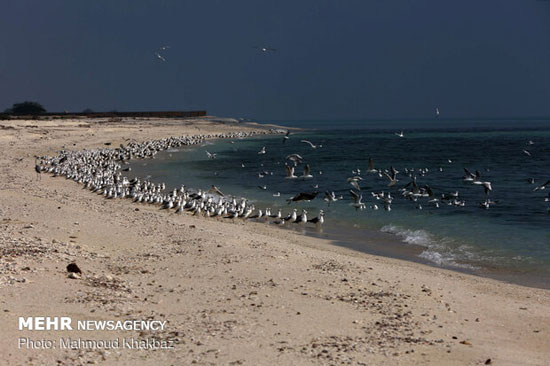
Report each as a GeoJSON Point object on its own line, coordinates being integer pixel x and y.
{"type": "Point", "coordinates": [165, 114]}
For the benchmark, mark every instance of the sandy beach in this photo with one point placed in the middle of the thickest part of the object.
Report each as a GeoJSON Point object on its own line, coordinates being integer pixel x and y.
{"type": "Point", "coordinates": [231, 292]}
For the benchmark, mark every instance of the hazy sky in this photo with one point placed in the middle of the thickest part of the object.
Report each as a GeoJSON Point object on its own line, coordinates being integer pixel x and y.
{"type": "Point", "coordinates": [334, 59]}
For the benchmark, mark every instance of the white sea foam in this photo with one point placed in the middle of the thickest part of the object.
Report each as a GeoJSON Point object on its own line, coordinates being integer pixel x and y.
{"type": "Point", "coordinates": [438, 251]}
{"type": "Point", "coordinates": [418, 237]}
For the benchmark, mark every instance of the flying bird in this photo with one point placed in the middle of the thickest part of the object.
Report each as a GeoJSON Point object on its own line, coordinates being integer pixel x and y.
{"type": "Point", "coordinates": [303, 196]}
{"type": "Point", "coordinates": [393, 177]}
{"type": "Point", "coordinates": [216, 190]}
{"type": "Point", "coordinates": [542, 186]}
{"type": "Point", "coordinates": [295, 158]}
{"type": "Point", "coordinates": [286, 136]}
{"type": "Point", "coordinates": [265, 49]}
{"type": "Point", "coordinates": [311, 144]}
{"type": "Point", "coordinates": [290, 172]}
{"type": "Point", "coordinates": [371, 167]}
{"type": "Point", "coordinates": [307, 172]}
{"type": "Point", "coordinates": [399, 134]}
{"type": "Point", "coordinates": [159, 56]}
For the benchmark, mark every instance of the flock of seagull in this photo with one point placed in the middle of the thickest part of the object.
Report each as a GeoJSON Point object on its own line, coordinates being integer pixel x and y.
{"type": "Point", "coordinates": [100, 171]}
{"type": "Point", "coordinates": [413, 191]}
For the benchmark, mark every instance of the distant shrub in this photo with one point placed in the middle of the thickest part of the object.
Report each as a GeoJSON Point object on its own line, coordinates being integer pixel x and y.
{"type": "Point", "coordinates": [26, 108]}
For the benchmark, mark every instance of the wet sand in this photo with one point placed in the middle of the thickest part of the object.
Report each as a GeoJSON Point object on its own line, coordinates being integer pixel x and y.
{"type": "Point", "coordinates": [231, 292]}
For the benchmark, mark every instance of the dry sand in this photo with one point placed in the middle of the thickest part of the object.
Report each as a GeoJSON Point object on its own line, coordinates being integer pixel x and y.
{"type": "Point", "coordinates": [232, 293]}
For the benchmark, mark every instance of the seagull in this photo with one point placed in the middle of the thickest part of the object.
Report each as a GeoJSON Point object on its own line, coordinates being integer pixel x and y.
{"type": "Point", "coordinates": [487, 187]}
{"type": "Point", "coordinates": [393, 177]}
{"type": "Point", "coordinates": [371, 167]}
{"type": "Point", "coordinates": [354, 182]}
{"type": "Point", "coordinates": [307, 173]}
{"type": "Point", "coordinates": [470, 177]}
{"type": "Point", "coordinates": [357, 200]}
{"type": "Point", "coordinates": [264, 187]}
{"type": "Point", "coordinates": [265, 49]}
{"type": "Point", "coordinates": [159, 56]}
{"type": "Point", "coordinates": [311, 144]}
{"type": "Point", "coordinates": [303, 196]}
{"type": "Point", "coordinates": [290, 172]}
{"type": "Point", "coordinates": [526, 152]}
{"type": "Point", "coordinates": [330, 197]}
{"type": "Point", "coordinates": [319, 219]}
{"type": "Point", "coordinates": [399, 134]}
{"type": "Point", "coordinates": [278, 194]}
{"type": "Point", "coordinates": [530, 142]}
{"type": "Point", "coordinates": [542, 186]}
{"type": "Point", "coordinates": [210, 155]}
{"type": "Point", "coordinates": [302, 219]}
{"type": "Point", "coordinates": [286, 136]}
{"type": "Point", "coordinates": [262, 151]}
{"type": "Point", "coordinates": [214, 189]}
{"type": "Point", "coordinates": [436, 112]}
{"type": "Point", "coordinates": [291, 217]}
{"type": "Point", "coordinates": [295, 158]}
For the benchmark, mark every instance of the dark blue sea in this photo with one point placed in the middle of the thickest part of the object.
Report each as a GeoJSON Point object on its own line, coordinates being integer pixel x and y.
{"type": "Point", "coordinates": [510, 240]}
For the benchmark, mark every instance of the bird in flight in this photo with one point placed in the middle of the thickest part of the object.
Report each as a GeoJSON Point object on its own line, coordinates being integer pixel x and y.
{"type": "Point", "coordinates": [311, 144]}
{"type": "Point", "coordinates": [265, 49]}
{"type": "Point", "coordinates": [158, 55]}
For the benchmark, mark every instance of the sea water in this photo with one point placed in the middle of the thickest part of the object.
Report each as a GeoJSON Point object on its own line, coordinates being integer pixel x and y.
{"type": "Point", "coordinates": [510, 240]}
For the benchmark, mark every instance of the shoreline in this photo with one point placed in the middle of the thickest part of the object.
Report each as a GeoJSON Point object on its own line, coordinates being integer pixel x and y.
{"type": "Point", "coordinates": [287, 279]}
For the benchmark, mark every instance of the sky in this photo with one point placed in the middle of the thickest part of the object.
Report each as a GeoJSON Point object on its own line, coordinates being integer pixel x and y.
{"type": "Point", "coordinates": [338, 59]}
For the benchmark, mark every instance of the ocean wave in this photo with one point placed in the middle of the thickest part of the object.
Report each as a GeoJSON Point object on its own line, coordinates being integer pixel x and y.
{"type": "Point", "coordinates": [418, 237]}
{"type": "Point", "coordinates": [438, 251]}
